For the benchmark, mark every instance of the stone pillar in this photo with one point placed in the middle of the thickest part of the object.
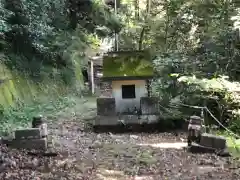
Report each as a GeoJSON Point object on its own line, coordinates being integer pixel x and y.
{"type": "Point", "coordinates": [149, 106]}
{"type": "Point", "coordinates": [148, 87]}
{"type": "Point", "coordinates": [195, 129]}
{"type": "Point", "coordinates": [106, 106]}
{"type": "Point", "coordinates": [39, 122]}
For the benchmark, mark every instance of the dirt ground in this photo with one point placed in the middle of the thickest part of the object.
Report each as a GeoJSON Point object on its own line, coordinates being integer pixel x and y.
{"type": "Point", "coordinates": [84, 155]}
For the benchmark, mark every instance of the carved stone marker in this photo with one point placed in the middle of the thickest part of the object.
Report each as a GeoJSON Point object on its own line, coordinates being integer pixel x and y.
{"type": "Point", "coordinates": [196, 120]}
{"type": "Point", "coordinates": [195, 129]}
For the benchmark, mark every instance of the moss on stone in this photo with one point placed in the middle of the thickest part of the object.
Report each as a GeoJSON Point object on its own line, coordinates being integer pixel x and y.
{"type": "Point", "coordinates": [127, 64]}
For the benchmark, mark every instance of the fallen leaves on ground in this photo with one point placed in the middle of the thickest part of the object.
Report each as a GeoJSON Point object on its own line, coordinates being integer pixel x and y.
{"type": "Point", "coordinates": [106, 156]}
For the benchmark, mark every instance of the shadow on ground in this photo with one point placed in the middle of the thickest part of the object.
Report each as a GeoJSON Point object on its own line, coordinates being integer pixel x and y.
{"type": "Point", "coordinates": [139, 128]}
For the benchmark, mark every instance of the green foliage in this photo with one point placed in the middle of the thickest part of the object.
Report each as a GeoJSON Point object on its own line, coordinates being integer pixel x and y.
{"type": "Point", "coordinates": [190, 38]}
{"type": "Point", "coordinates": [221, 93]}
{"type": "Point", "coordinates": [54, 35]}
{"type": "Point", "coordinates": [171, 92]}
{"type": "Point", "coordinates": [203, 32]}
{"type": "Point", "coordinates": [198, 40]}
{"type": "Point", "coordinates": [43, 47]}
{"type": "Point", "coordinates": [22, 98]}
{"type": "Point", "coordinates": [21, 115]}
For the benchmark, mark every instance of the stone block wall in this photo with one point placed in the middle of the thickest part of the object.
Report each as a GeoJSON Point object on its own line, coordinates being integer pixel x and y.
{"type": "Point", "coordinates": [105, 89]}
{"type": "Point", "coordinates": [148, 87]}
{"type": "Point", "coordinates": [106, 106]}
{"type": "Point", "coordinates": [149, 105]}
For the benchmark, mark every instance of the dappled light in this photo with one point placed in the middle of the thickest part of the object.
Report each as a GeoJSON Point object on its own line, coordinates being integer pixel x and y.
{"type": "Point", "coordinates": [167, 145]}
{"type": "Point", "coordinates": [111, 174]}
{"type": "Point", "coordinates": [119, 175]}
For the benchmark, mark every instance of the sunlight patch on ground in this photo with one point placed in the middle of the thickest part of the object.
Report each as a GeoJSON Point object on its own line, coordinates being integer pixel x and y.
{"type": "Point", "coordinates": [204, 169]}
{"type": "Point", "coordinates": [105, 174]}
{"type": "Point", "coordinates": [166, 145]}
{"type": "Point", "coordinates": [142, 178]}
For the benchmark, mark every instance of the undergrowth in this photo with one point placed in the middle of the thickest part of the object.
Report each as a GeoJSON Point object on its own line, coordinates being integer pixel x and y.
{"type": "Point", "coordinates": [233, 142]}
{"type": "Point", "coordinates": [22, 113]}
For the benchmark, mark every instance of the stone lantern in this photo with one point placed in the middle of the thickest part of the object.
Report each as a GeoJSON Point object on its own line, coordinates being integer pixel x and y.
{"type": "Point", "coordinates": [195, 129]}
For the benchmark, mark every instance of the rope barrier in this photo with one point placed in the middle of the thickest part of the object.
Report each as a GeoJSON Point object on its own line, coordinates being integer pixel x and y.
{"type": "Point", "coordinates": [237, 136]}
{"type": "Point", "coordinates": [204, 107]}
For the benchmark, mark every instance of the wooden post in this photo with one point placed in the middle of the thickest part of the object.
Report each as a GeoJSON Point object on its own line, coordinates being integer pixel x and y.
{"type": "Point", "coordinates": [92, 78]}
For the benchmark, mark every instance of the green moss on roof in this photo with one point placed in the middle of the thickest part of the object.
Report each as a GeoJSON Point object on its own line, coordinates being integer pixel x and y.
{"type": "Point", "coordinates": [127, 64]}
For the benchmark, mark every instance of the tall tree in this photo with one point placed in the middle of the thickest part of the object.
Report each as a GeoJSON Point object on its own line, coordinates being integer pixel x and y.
{"type": "Point", "coordinates": [35, 37]}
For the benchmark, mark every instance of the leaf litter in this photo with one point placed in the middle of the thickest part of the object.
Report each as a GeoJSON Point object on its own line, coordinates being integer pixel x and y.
{"type": "Point", "coordinates": [106, 156]}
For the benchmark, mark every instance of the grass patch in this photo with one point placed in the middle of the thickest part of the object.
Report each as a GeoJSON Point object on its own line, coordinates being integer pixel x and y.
{"type": "Point", "coordinates": [84, 107]}
{"type": "Point", "coordinates": [22, 113]}
{"type": "Point", "coordinates": [146, 158]}
{"type": "Point", "coordinates": [233, 144]}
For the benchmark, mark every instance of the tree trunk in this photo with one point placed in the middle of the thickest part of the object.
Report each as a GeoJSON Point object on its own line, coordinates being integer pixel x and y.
{"type": "Point", "coordinates": [166, 29]}
{"type": "Point", "coordinates": [136, 9]}
{"type": "Point", "coordinates": [140, 42]}
{"type": "Point", "coordinates": [72, 14]}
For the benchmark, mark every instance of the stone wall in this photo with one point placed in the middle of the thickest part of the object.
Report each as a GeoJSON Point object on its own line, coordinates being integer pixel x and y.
{"type": "Point", "coordinates": [105, 89]}
{"type": "Point", "coordinates": [149, 105]}
{"type": "Point", "coordinates": [148, 87]}
{"type": "Point", "coordinates": [107, 115]}
{"type": "Point", "coordinates": [106, 106]}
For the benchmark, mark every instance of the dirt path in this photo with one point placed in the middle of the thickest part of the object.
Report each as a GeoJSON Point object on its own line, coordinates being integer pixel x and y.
{"type": "Point", "coordinates": [87, 155]}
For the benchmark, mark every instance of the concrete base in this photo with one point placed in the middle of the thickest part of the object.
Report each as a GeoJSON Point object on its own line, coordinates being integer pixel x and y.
{"type": "Point", "coordinates": [125, 119]}
{"type": "Point", "coordinates": [213, 141]}
{"type": "Point", "coordinates": [106, 121]}
{"type": "Point", "coordinates": [196, 148]}
{"type": "Point", "coordinates": [137, 128]}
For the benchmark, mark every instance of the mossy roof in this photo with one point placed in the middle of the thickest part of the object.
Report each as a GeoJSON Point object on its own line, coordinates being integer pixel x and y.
{"type": "Point", "coordinates": [127, 64]}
